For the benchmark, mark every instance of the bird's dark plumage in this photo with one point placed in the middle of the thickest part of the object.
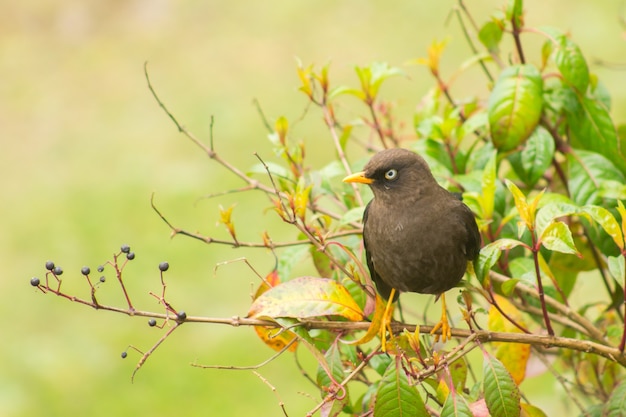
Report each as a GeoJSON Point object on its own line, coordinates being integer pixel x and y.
{"type": "Point", "coordinates": [418, 236]}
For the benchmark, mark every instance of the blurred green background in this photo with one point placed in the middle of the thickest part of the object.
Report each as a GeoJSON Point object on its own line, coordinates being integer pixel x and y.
{"type": "Point", "coordinates": [85, 145]}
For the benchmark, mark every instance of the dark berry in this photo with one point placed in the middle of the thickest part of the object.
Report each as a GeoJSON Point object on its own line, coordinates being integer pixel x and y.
{"type": "Point", "coordinates": [124, 354]}
{"type": "Point", "coordinates": [130, 256]}
{"type": "Point", "coordinates": [85, 270]}
{"type": "Point", "coordinates": [34, 281]}
{"type": "Point", "coordinates": [125, 248]}
{"type": "Point", "coordinates": [100, 268]}
{"type": "Point", "coordinates": [57, 270]}
{"type": "Point", "coordinates": [103, 278]}
{"type": "Point", "coordinates": [152, 322]}
{"type": "Point", "coordinates": [181, 315]}
{"type": "Point", "coordinates": [49, 265]}
{"type": "Point", "coordinates": [164, 266]}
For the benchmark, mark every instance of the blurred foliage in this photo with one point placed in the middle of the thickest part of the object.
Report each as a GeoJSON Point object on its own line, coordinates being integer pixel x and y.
{"type": "Point", "coordinates": [88, 146]}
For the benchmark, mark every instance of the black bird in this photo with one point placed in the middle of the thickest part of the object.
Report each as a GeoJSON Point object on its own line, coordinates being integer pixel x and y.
{"type": "Point", "coordinates": [418, 236]}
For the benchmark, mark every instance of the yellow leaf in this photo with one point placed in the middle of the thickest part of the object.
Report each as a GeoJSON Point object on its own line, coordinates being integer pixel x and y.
{"type": "Point", "coordinates": [521, 204]}
{"type": "Point", "coordinates": [514, 356]}
{"type": "Point", "coordinates": [622, 213]}
{"type": "Point", "coordinates": [306, 297]}
{"type": "Point", "coordinates": [377, 321]}
{"type": "Point", "coordinates": [226, 219]}
{"type": "Point", "coordinates": [301, 199]}
{"type": "Point", "coordinates": [276, 338]}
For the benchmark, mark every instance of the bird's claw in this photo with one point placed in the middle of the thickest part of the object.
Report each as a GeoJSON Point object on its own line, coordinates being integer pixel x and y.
{"type": "Point", "coordinates": [446, 331]}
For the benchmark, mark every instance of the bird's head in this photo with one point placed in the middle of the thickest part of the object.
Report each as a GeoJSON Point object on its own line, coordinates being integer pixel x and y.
{"type": "Point", "coordinates": [395, 174]}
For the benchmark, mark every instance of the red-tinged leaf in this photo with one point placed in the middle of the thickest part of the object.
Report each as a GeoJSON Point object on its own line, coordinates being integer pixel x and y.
{"type": "Point", "coordinates": [608, 222]}
{"type": "Point", "coordinates": [616, 404]}
{"type": "Point", "coordinates": [306, 297]}
{"type": "Point", "coordinates": [479, 408]}
{"type": "Point", "coordinates": [455, 406]}
{"type": "Point", "coordinates": [396, 397]}
{"type": "Point", "coordinates": [490, 253]}
{"type": "Point", "coordinates": [515, 106]}
{"type": "Point", "coordinates": [532, 411]}
{"type": "Point", "coordinates": [502, 395]}
{"type": "Point", "coordinates": [333, 359]}
{"type": "Point", "coordinates": [514, 356]}
{"type": "Point", "coordinates": [276, 338]}
{"type": "Point", "coordinates": [334, 408]}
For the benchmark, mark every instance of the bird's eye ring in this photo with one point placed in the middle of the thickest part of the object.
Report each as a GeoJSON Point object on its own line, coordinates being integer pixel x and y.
{"type": "Point", "coordinates": [391, 175]}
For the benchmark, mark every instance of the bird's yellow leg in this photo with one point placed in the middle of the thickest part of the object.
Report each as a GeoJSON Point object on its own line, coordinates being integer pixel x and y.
{"type": "Point", "coordinates": [386, 322]}
{"type": "Point", "coordinates": [444, 325]}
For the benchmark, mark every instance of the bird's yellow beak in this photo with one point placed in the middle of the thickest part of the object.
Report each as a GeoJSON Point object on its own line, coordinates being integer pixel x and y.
{"type": "Point", "coordinates": [358, 177]}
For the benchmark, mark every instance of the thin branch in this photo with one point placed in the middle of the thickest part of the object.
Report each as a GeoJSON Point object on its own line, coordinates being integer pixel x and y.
{"type": "Point", "coordinates": [249, 367]}
{"type": "Point", "coordinates": [544, 341]}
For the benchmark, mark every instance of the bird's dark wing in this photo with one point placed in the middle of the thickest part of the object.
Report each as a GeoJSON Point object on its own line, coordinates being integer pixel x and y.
{"type": "Point", "coordinates": [383, 289]}
{"type": "Point", "coordinates": [472, 247]}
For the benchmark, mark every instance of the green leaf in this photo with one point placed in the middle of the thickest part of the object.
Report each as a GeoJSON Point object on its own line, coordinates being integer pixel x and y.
{"type": "Point", "coordinates": [558, 237]}
{"type": "Point", "coordinates": [550, 212]}
{"type": "Point", "coordinates": [333, 359]}
{"type": "Point", "coordinates": [435, 156]}
{"type": "Point", "coordinates": [514, 106]}
{"type": "Point", "coordinates": [490, 35]}
{"type": "Point", "coordinates": [508, 287]}
{"type": "Point", "coordinates": [616, 404]}
{"type": "Point", "coordinates": [490, 253]}
{"type": "Point", "coordinates": [587, 171]}
{"type": "Point", "coordinates": [352, 215]}
{"type": "Point", "coordinates": [592, 128]}
{"type": "Point", "coordinates": [616, 268]}
{"type": "Point", "coordinates": [396, 397]}
{"type": "Point", "coordinates": [306, 297]}
{"type": "Point", "coordinates": [572, 65]}
{"type": "Point", "coordinates": [455, 406]}
{"type": "Point", "coordinates": [501, 393]}
{"type": "Point", "coordinates": [532, 162]}
{"type": "Point", "coordinates": [514, 12]}
{"type": "Point", "coordinates": [458, 372]}
{"type": "Point", "coordinates": [288, 258]}
{"type": "Point", "coordinates": [372, 77]}
{"type": "Point", "coordinates": [488, 187]}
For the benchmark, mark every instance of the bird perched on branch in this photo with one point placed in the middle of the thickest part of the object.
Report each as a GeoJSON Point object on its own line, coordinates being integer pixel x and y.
{"type": "Point", "coordinates": [418, 236]}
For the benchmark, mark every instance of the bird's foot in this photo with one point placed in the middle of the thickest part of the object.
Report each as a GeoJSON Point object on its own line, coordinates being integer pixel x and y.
{"type": "Point", "coordinates": [446, 331]}
{"type": "Point", "coordinates": [386, 322]}
{"type": "Point", "coordinates": [443, 324]}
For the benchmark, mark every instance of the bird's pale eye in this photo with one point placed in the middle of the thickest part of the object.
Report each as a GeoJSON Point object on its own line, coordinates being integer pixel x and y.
{"type": "Point", "coordinates": [391, 175]}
